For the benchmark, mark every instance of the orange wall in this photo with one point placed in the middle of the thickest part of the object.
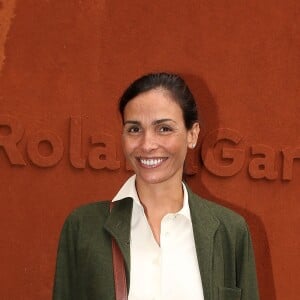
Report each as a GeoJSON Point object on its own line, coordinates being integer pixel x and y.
{"type": "Point", "coordinates": [63, 65]}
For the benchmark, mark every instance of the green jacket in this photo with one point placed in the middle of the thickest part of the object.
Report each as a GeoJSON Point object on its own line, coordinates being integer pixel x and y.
{"type": "Point", "coordinates": [84, 260]}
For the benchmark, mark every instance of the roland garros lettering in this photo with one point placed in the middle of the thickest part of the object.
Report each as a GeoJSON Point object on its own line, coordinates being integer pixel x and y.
{"type": "Point", "coordinates": [223, 151]}
{"type": "Point", "coordinates": [102, 155]}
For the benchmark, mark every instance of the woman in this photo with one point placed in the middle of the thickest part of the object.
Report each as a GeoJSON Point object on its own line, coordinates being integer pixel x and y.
{"type": "Point", "coordinates": [175, 244]}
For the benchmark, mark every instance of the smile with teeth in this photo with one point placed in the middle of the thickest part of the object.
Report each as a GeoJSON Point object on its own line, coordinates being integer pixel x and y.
{"type": "Point", "coordinates": [151, 162]}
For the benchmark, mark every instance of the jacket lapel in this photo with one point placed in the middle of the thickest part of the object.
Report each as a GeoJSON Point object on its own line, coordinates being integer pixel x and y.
{"type": "Point", "coordinates": [118, 225]}
{"type": "Point", "coordinates": [204, 226]}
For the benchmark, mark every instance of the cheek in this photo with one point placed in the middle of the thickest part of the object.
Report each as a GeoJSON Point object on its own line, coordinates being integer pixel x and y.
{"type": "Point", "coordinates": [128, 146]}
{"type": "Point", "coordinates": [178, 144]}
{"type": "Point", "coordinates": [124, 145]}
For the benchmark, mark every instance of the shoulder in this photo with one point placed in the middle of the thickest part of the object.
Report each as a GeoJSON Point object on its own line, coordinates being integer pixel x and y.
{"type": "Point", "coordinates": [225, 217]}
{"type": "Point", "coordinates": [91, 209]}
{"type": "Point", "coordinates": [224, 214]}
{"type": "Point", "coordinates": [88, 215]}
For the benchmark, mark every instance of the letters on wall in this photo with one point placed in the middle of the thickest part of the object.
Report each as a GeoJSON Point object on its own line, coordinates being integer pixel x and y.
{"type": "Point", "coordinates": [224, 151]}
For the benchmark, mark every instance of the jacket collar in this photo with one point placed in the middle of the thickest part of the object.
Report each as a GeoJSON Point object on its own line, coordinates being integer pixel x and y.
{"type": "Point", "coordinates": [205, 224]}
{"type": "Point", "coordinates": [118, 225]}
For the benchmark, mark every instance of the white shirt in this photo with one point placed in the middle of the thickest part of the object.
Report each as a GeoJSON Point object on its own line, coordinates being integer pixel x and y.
{"type": "Point", "coordinates": [169, 271]}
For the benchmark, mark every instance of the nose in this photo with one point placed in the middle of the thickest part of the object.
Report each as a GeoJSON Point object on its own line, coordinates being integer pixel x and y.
{"type": "Point", "coordinates": [149, 141]}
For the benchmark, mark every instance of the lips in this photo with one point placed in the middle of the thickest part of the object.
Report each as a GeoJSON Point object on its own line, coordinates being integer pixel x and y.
{"type": "Point", "coordinates": [151, 162]}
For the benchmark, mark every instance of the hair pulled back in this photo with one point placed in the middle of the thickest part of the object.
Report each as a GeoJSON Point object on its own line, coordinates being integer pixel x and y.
{"type": "Point", "coordinates": [172, 83]}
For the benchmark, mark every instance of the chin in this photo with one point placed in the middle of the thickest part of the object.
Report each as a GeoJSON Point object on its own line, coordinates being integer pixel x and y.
{"type": "Point", "coordinates": [154, 178]}
{"type": "Point", "coordinates": [150, 178]}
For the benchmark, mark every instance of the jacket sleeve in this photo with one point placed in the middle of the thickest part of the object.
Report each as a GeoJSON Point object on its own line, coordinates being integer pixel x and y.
{"type": "Point", "coordinates": [65, 274]}
{"type": "Point", "coordinates": [246, 270]}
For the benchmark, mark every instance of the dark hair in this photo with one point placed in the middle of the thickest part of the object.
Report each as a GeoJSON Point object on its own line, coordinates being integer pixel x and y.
{"type": "Point", "coordinates": [172, 83]}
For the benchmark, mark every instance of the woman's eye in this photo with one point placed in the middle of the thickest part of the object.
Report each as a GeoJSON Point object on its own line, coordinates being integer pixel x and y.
{"type": "Point", "coordinates": [165, 129]}
{"type": "Point", "coordinates": [133, 129]}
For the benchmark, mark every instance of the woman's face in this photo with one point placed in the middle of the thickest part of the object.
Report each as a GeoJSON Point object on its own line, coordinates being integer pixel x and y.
{"type": "Point", "coordinates": [155, 139]}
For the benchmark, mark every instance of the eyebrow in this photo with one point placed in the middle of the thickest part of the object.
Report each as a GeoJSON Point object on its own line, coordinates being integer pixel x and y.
{"type": "Point", "coordinates": [156, 122]}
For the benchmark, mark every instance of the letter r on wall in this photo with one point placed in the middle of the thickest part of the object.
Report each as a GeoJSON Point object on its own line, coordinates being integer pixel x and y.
{"type": "Point", "coordinates": [9, 141]}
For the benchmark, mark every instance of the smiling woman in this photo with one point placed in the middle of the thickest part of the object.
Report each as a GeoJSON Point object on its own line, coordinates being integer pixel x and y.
{"type": "Point", "coordinates": [175, 245]}
{"type": "Point", "coordinates": [155, 139]}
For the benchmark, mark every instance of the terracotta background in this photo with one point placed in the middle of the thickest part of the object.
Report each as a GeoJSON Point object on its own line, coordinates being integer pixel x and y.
{"type": "Point", "coordinates": [66, 58]}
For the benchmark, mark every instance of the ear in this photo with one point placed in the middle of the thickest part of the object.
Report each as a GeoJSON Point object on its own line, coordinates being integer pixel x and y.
{"type": "Point", "coordinates": [193, 134]}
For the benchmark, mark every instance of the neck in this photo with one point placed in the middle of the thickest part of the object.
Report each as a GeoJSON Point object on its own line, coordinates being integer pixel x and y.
{"type": "Point", "coordinates": [161, 198]}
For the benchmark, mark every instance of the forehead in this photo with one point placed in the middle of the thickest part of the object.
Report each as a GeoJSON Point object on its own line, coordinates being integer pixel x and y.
{"type": "Point", "coordinates": [154, 103]}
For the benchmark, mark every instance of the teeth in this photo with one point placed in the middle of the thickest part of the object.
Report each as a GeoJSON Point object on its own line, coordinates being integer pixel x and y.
{"type": "Point", "coordinates": [152, 162]}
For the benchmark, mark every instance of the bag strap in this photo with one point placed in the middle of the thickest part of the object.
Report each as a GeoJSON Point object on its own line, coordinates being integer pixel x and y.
{"type": "Point", "coordinates": [119, 270]}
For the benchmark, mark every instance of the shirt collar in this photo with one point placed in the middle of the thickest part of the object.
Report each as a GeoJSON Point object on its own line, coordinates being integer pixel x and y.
{"type": "Point", "coordinates": [129, 190]}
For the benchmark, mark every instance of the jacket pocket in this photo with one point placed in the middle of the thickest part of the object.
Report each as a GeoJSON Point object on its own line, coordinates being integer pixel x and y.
{"type": "Point", "coordinates": [229, 293]}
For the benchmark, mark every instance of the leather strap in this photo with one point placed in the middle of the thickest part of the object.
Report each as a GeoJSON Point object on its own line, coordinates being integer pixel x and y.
{"type": "Point", "coordinates": [119, 269]}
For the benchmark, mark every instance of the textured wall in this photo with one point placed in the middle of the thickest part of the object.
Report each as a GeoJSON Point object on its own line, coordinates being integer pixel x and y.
{"type": "Point", "coordinates": [63, 65]}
